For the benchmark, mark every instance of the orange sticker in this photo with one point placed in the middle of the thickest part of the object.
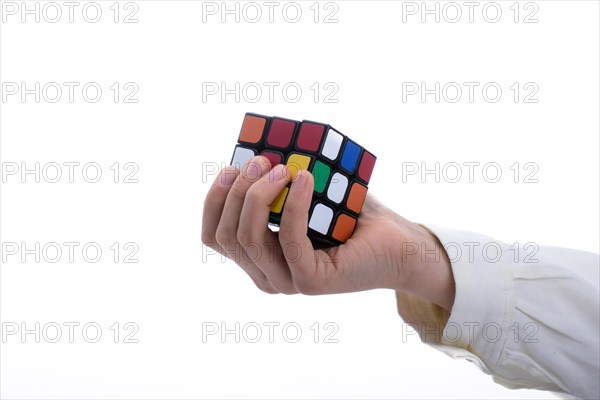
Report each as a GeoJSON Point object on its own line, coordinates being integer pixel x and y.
{"type": "Point", "coordinates": [344, 227]}
{"type": "Point", "coordinates": [356, 198]}
{"type": "Point", "coordinates": [252, 129]}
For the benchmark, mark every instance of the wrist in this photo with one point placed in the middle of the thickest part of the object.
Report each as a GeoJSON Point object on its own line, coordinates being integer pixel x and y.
{"type": "Point", "coordinates": [428, 272]}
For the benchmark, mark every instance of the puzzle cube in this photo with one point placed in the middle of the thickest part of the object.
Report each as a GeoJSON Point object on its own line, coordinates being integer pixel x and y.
{"type": "Point", "coordinates": [341, 169]}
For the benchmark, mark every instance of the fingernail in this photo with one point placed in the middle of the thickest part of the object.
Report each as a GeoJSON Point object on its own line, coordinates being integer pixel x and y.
{"type": "Point", "coordinates": [300, 180]}
{"type": "Point", "coordinates": [227, 177]}
{"type": "Point", "coordinates": [278, 173]}
{"type": "Point", "coordinates": [253, 171]}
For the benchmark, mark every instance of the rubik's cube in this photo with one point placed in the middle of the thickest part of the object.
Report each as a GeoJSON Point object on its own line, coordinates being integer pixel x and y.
{"type": "Point", "coordinates": [340, 167]}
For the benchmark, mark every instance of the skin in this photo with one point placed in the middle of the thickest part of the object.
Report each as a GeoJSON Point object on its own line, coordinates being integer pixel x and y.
{"type": "Point", "coordinates": [385, 251]}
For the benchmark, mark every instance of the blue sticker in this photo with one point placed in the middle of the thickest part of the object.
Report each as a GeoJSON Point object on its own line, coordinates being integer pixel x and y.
{"type": "Point", "coordinates": [350, 156]}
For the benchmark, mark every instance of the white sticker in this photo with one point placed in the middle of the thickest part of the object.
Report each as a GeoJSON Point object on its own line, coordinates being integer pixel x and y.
{"type": "Point", "coordinates": [332, 145]}
{"type": "Point", "coordinates": [241, 156]}
{"type": "Point", "coordinates": [337, 188]}
{"type": "Point", "coordinates": [321, 218]}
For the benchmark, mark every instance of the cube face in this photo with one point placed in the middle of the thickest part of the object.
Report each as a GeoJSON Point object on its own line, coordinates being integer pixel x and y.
{"type": "Point", "coordinates": [340, 167]}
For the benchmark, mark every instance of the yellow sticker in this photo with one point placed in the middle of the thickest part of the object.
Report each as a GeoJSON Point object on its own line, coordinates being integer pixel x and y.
{"type": "Point", "coordinates": [277, 205]}
{"type": "Point", "coordinates": [297, 162]}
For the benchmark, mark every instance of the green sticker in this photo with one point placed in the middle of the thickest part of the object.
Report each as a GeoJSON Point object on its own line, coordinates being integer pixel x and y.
{"type": "Point", "coordinates": [321, 174]}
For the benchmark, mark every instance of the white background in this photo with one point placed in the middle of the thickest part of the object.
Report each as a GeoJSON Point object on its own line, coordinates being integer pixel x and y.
{"type": "Point", "coordinates": [176, 138]}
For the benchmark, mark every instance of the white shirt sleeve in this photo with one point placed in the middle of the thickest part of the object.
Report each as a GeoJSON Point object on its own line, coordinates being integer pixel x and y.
{"type": "Point", "coordinates": [525, 314]}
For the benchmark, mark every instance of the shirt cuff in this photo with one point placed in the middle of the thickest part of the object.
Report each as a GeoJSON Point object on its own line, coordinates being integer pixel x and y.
{"type": "Point", "coordinates": [484, 302]}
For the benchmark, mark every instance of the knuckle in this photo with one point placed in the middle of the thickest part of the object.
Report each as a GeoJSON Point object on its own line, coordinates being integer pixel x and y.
{"type": "Point", "coordinates": [216, 196]}
{"type": "Point", "coordinates": [210, 197]}
{"type": "Point", "coordinates": [285, 234]}
{"type": "Point", "coordinates": [208, 239]}
{"type": "Point", "coordinates": [289, 291]}
{"type": "Point", "coordinates": [208, 201]}
{"type": "Point", "coordinates": [254, 192]}
{"type": "Point", "coordinates": [284, 286]}
{"type": "Point", "coordinates": [254, 195]}
{"type": "Point", "coordinates": [307, 286]}
{"type": "Point", "coordinates": [292, 208]}
{"type": "Point", "coordinates": [243, 236]}
{"type": "Point", "coordinates": [224, 236]}
{"type": "Point", "coordinates": [265, 287]}
{"type": "Point", "coordinates": [238, 191]}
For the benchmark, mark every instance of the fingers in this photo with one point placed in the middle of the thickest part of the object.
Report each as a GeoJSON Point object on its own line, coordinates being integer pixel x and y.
{"type": "Point", "coordinates": [293, 238]}
{"type": "Point", "coordinates": [228, 224]}
{"type": "Point", "coordinates": [254, 235]}
{"type": "Point", "coordinates": [215, 206]}
{"type": "Point", "coordinates": [214, 203]}
{"type": "Point", "coordinates": [235, 220]}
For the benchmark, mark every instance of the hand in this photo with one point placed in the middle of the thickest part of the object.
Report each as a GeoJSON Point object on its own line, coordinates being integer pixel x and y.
{"type": "Point", "coordinates": [385, 251]}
